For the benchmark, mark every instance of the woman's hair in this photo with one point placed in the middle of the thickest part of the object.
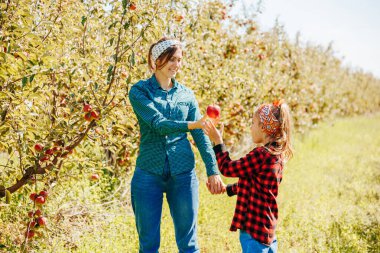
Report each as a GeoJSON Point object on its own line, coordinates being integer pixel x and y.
{"type": "Point", "coordinates": [164, 57]}
{"type": "Point", "coordinates": [281, 143]}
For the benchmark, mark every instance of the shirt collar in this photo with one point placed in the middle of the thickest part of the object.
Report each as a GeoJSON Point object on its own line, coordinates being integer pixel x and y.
{"type": "Point", "coordinates": [156, 84]}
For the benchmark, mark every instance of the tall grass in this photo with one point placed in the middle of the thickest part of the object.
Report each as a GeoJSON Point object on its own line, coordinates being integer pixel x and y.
{"type": "Point", "coordinates": [329, 202]}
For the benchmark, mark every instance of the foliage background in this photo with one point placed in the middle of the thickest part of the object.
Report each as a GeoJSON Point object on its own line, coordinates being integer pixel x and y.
{"type": "Point", "coordinates": [57, 55]}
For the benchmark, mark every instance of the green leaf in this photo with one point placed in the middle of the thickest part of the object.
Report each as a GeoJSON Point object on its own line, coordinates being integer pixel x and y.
{"type": "Point", "coordinates": [128, 81]}
{"type": "Point", "coordinates": [84, 18]}
{"type": "Point", "coordinates": [132, 59]}
{"type": "Point", "coordinates": [125, 4]}
{"type": "Point", "coordinates": [110, 68]}
{"type": "Point", "coordinates": [127, 47]}
{"type": "Point", "coordinates": [31, 78]}
{"type": "Point", "coordinates": [112, 25]}
{"type": "Point", "coordinates": [126, 25]}
{"type": "Point", "coordinates": [109, 71]}
{"type": "Point", "coordinates": [24, 81]}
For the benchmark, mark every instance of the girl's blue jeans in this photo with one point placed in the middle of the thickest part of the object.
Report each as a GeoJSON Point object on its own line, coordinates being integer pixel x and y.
{"type": "Point", "coordinates": [250, 245]}
{"type": "Point", "coordinates": [182, 195]}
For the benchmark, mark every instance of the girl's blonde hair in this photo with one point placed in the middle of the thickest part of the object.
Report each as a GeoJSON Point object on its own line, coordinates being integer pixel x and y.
{"type": "Point", "coordinates": [281, 142]}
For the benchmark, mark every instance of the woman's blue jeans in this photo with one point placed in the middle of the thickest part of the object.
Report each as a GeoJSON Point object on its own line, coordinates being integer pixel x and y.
{"type": "Point", "coordinates": [250, 245]}
{"type": "Point", "coordinates": [182, 195]}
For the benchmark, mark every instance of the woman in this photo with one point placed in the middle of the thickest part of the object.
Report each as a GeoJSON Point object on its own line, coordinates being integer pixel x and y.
{"type": "Point", "coordinates": [166, 110]}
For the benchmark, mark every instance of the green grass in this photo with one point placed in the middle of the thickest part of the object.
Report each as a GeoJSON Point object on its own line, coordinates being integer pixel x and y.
{"type": "Point", "coordinates": [329, 202]}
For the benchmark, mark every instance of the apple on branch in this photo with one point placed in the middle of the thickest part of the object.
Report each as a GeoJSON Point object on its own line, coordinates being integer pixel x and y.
{"type": "Point", "coordinates": [43, 194]}
{"type": "Point", "coordinates": [178, 18]}
{"type": "Point", "coordinates": [40, 200]}
{"type": "Point", "coordinates": [95, 115]}
{"type": "Point", "coordinates": [132, 6]}
{"type": "Point", "coordinates": [49, 152]}
{"type": "Point", "coordinates": [38, 212]}
{"type": "Point", "coordinates": [33, 196]}
{"type": "Point", "coordinates": [87, 108]}
{"type": "Point", "coordinates": [29, 234]}
{"type": "Point", "coordinates": [94, 177]}
{"type": "Point", "coordinates": [41, 221]}
{"type": "Point", "coordinates": [38, 147]}
{"type": "Point", "coordinates": [87, 116]}
{"type": "Point", "coordinates": [31, 224]}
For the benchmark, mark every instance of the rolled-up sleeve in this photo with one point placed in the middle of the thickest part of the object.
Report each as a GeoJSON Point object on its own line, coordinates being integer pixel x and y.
{"type": "Point", "coordinates": [144, 109]}
{"type": "Point", "coordinates": [232, 189]}
{"type": "Point", "coordinates": [202, 141]}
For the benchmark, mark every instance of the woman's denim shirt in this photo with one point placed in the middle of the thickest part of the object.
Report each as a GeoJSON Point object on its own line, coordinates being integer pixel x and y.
{"type": "Point", "coordinates": [163, 118]}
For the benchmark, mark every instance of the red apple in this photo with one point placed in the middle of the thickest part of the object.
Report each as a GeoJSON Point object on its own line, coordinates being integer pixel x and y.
{"type": "Point", "coordinates": [41, 221]}
{"type": "Point", "coordinates": [31, 224]}
{"type": "Point", "coordinates": [30, 214]}
{"type": "Point", "coordinates": [33, 196]}
{"type": "Point", "coordinates": [38, 213]}
{"type": "Point", "coordinates": [45, 158]}
{"type": "Point", "coordinates": [94, 115]}
{"type": "Point", "coordinates": [57, 149]}
{"type": "Point", "coordinates": [87, 116]}
{"type": "Point", "coordinates": [29, 234]}
{"type": "Point", "coordinates": [213, 111]}
{"type": "Point", "coordinates": [94, 177]}
{"type": "Point", "coordinates": [178, 18]}
{"type": "Point", "coordinates": [44, 194]}
{"type": "Point", "coordinates": [69, 150]}
{"type": "Point", "coordinates": [40, 200]}
{"type": "Point", "coordinates": [87, 108]}
{"type": "Point", "coordinates": [49, 152]}
{"type": "Point", "coordinates": [121, 162]}
{"type": "Point", "coordinates": [38, 147]}
{"type": "Point", "coordinates": [132, 7]}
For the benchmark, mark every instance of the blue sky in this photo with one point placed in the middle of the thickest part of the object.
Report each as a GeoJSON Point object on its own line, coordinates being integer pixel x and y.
{"type": "Point", "coordinates": [352, 25]}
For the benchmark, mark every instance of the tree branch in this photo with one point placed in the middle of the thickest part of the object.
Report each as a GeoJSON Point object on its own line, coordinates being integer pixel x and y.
{"type": "Point", "coordinates": [37, 169]}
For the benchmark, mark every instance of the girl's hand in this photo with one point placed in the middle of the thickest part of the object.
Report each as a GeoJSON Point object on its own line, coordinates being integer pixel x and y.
{"type": "Point", "coordinates": [214, 134]}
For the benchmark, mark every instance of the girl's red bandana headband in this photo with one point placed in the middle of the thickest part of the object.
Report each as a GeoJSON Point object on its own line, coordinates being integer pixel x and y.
{"type": "Point", "coordinates": [269, 122]}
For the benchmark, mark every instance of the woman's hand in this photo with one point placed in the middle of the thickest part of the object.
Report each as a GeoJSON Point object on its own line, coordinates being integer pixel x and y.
{"type": "Point", "coordinates": [214, 134]}
{"type": "Point", "coordinates": [197, 124]}
{"type": "Point", "coordinates": [215, 184]}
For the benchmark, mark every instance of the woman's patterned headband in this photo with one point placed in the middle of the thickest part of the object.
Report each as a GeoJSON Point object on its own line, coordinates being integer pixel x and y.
{"type": "Point", "coordinates": [159, 48]}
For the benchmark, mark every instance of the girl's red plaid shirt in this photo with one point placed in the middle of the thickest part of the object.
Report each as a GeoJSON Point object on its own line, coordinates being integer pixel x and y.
{"type": "Point", "coordinates": [260, 174]}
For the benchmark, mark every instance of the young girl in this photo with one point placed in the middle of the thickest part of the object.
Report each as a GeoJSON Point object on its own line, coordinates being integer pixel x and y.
{"type": "Point", "coordinates": [259, 173]}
